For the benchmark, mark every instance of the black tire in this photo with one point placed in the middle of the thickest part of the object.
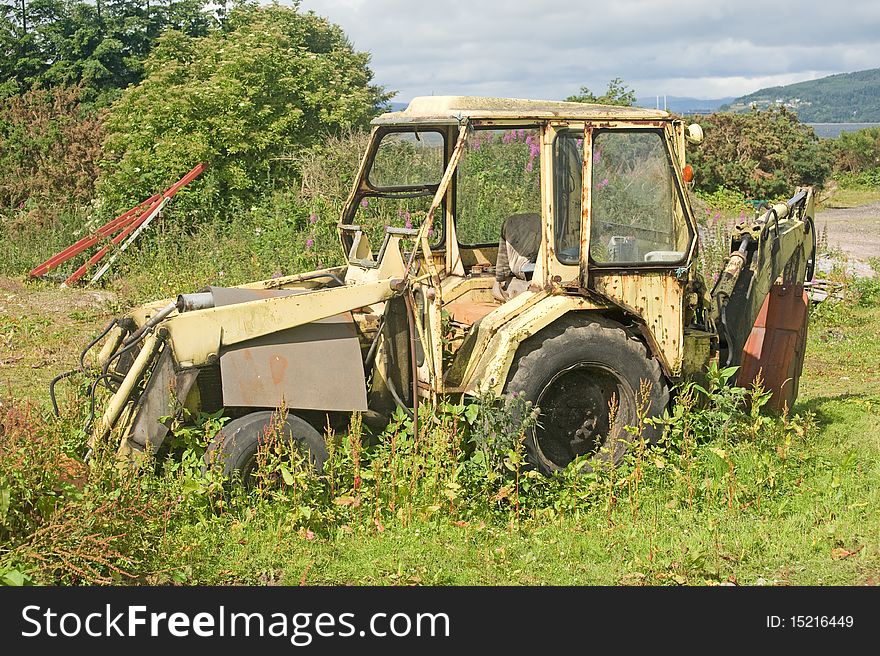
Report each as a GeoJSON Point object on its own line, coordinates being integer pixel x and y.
{"type": "Point", "coordinates": [234, 448]}
{"type": "Point", "coordinates": [570, 371]}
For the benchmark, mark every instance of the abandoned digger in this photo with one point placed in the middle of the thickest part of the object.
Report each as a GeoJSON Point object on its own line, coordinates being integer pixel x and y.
{"type": "Point", "coordinates": [492, 245]}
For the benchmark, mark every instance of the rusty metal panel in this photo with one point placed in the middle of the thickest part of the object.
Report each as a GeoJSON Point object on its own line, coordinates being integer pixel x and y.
{"type": "Point", "coordinates": [775, 348]}
{"type": "Point", "coordinates": [317, 366]}
{"type": "Point", "coordinates": [489, 362]}
{"type": "Point", "coordinates": [658, 299]}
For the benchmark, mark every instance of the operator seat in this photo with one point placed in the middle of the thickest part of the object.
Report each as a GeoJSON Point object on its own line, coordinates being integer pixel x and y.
{"type": "Point", "coordinates": [517, 254]}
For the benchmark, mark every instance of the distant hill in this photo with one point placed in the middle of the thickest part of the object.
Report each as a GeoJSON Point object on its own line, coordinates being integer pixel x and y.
{"type": "Point", "coordinates": [842, 98]}
{"type": "Point", "coordinates": [683, 104]}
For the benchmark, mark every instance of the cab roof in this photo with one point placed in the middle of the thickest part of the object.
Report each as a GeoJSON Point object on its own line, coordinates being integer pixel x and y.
{"type": "Point", "coordinates": [449, 109]}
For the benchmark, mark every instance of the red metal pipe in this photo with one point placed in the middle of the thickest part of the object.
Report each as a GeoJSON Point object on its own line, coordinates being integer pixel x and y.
{"type": "Point", "coordinates": [131, 227]}
{"type": "Point", "coordinates": [87, 242]}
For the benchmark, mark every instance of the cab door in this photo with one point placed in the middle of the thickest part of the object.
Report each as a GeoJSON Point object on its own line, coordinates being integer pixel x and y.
{"type": "Point", "coordinates": [639, 236]}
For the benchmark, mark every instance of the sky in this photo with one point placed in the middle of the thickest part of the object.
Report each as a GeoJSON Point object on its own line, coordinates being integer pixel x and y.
{"type": "Point", "coordinates": [532, 49]}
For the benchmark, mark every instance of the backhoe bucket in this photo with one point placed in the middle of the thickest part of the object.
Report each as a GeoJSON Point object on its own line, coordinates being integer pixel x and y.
{"type": "Point", "coordinates": [775, 348]}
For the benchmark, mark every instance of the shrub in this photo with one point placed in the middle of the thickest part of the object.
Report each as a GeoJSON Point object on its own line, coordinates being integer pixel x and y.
{"type": "Point", "coordinates": [272, 82]}
{"type": "Point", "coordinates": [857, 151]}
{"type": "Point", "coordinates": [762, 154]}
{"type": "Point", "coordinates": [49, 153]}
{"type": "Point", "coordinates": [867, 179]}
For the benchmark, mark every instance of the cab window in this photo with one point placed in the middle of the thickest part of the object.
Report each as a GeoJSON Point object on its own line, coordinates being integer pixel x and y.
{"type": "Point", "coordinates": [636, 215]}
{"type": "Point", "coordinates": [498, 177]}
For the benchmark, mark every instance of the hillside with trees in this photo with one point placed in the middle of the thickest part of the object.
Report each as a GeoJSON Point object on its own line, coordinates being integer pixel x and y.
{"type": "Point", "coordinates": [843, 98]}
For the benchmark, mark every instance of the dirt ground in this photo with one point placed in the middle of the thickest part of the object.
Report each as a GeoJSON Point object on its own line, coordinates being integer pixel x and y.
{"type": "Point", "coordinates": [43, 328]}
{"type": "Point", "coordinates": [854, 231]}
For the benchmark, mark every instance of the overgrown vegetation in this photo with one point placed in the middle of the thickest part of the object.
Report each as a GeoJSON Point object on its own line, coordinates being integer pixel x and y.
{"type": "Point", "coordinates": [701, 504]}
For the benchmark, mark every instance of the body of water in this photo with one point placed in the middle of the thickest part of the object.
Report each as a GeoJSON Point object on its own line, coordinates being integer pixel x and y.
{"type": "Point", "coordinates": [831, 130]}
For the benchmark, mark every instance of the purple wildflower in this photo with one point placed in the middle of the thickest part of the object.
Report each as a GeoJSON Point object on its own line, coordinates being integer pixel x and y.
{"type": "Point", "coordinates": [365, 202]}
{"type": "Point", "coordinates": [313, 218]}
{"type": "Point", "coordinates": [602, 184]}
{"type": "Point", "coordinates": [522, 134]}
{"type": "Point", "coordinates": [508, 137]}
{"type": "Point", "coordinates": [597, 156]}
{"type": "Point", "coordinates": [529, 166]}
{"type": "Point", "coordinates": [310, 242]}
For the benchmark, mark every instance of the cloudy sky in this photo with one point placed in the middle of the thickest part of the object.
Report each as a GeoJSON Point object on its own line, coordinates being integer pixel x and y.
{"type": "Point", "coordinates": [532, 49]}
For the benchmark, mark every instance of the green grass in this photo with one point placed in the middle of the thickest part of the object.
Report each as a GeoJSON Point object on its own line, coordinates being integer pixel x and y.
{"type": "Point", "coordinates": [842, 198]}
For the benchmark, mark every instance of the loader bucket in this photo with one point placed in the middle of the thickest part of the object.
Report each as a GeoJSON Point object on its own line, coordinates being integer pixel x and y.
{"type": "Point", "coordinates": [775, 348]}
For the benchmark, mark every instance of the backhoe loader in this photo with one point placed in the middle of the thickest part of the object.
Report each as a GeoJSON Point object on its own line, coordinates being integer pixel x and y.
{"type": "Point", "coordinates": [547, 249]}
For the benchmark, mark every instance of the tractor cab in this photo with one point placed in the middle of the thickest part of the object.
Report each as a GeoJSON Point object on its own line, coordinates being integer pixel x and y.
{"type": "Point", "coordinates": [525, 197]}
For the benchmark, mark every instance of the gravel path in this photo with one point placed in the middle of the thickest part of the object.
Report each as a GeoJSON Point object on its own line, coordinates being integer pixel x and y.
{"type": "Point", "coordinates": [854, 230]}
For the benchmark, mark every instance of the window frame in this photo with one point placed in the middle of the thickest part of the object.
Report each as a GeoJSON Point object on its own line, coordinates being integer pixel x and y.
{"type": "Point", "coordinates": [427, 188]}
{"type": "Point", "coordinates": [578, 133]}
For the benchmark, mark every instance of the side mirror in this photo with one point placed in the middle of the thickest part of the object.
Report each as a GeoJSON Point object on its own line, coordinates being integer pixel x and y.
{"type": "Point", "coordinates": [694, 134]}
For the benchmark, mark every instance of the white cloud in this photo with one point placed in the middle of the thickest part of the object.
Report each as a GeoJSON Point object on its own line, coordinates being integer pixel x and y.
{"type": "Point", "coordinates": [683, 47]}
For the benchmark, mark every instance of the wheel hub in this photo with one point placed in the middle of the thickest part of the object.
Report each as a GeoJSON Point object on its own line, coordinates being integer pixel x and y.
{"type": "Point", "coordinates": [574, 417]}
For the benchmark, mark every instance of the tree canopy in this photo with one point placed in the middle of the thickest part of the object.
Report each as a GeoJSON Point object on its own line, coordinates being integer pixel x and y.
{"type": "Point", "coordinates": [617, 93]}
{"type": "Point", "coordinates": [100, 47]}
{"type": "Point", "coordinates": [271, 82]}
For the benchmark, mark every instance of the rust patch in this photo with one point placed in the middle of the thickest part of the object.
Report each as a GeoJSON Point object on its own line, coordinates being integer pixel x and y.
{"type": "Point", "coordinates": [277, 366]}
{"type": "Point", "coordinates": [774, 349]}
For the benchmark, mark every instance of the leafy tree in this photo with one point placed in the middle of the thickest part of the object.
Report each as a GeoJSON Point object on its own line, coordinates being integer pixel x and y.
{"type": "Point", "coordinates": [763, 154]}
{"type": "Point", "coordinates": [617, 93]}
{"type": "Point", "coordinates": [102, 45]}
{"type": "Point", "coordinates": [271, 82]}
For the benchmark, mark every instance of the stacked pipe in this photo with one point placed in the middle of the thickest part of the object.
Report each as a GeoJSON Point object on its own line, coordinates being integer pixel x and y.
{"type": "Point", "coordinates": [126, 225]}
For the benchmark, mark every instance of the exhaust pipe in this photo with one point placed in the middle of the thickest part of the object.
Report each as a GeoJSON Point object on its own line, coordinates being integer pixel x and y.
{"type": "Point", "coordinates": [197, 301]}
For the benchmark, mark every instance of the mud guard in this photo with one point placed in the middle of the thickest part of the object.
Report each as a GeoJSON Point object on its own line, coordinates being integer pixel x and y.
{"type": "Point", "coordinates": [776, 345]}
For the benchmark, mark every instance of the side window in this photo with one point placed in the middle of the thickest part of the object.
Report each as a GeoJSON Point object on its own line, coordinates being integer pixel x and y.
{"type": "Point", "coordinates": [636, 217]}
{"type": "Point", "coordinates": [408, 159]}
{"type": "Point", "coordinates": [568, 175]}
{"type": "Point", "coordinates": [498, 176]}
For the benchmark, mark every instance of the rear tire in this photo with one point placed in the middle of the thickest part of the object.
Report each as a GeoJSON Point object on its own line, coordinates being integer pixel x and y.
{"type": "Point", "coordinates": [571, 371]}
{"type": "Point", "coordinates": [234, 449]}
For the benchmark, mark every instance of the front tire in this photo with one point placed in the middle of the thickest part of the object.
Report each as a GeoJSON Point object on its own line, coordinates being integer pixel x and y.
{"type": "Point", "coordinates": [234, 449]}
{"type": "Point", "coordinates": [571, 372]}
